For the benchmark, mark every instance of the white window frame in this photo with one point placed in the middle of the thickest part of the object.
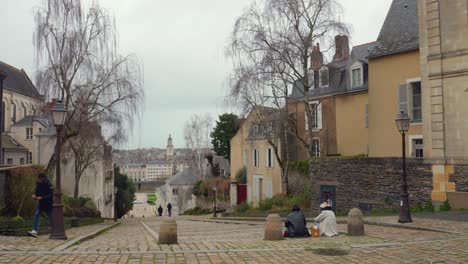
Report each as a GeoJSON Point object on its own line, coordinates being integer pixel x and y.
{"type": "Point", "coordinates": [409, 98]}
{"type": "Point", "coordinates": [356, 66]}
{"type": "Point", "coordinates": [256, 158]}
{"type": "Point", "coordinates": [320, 77]}
{"type": "Point", "coordinates": [410, 147]}
{"type": "Point", "coordinates": [319, 117]}
{"type": "Point", "coordinates": [319, 147]}
{"type": "Point", "coordinates": [311, 77]}
{"type": "Point", "coordinates": [256, 187]}
{"type": "Point", "coordinates": [29, 136]}
{"type": "Point", "coordinates": [270, 158]}
{"type": "Point", "coordinates": [29, 158]}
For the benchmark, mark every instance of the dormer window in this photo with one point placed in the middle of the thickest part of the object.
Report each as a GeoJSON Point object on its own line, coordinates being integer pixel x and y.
{"type": "Point", "coordinates": [323, 77]}
{"type": "Point", "coordinates": [356, 75]}
{"type": "Point", "coordinates": [255, 130]}
{"type": "Point", "coordinates": [311, 79]}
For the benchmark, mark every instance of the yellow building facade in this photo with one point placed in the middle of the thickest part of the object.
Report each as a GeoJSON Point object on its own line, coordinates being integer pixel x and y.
{"type": "Point", "coordinates": [250, 149]}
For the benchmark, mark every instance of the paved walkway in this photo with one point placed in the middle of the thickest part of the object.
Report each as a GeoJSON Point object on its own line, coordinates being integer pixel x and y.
{"type": "Point", "coordinates": [208, 242]}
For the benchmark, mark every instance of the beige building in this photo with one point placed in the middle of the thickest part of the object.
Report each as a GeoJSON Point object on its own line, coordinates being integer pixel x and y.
{"type": "Point", "coordinates": [444, 66]}
{"type": "Point", "coordinates": [136, 172]}
{"type": "Point", "coordinates": [395, 83]}
{"type": "Point", "coordinates": [250, 149]}
{"type": "Point", "coordinates": [159, 170]}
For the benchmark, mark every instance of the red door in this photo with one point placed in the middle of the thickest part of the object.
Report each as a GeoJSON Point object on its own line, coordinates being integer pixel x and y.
{"type": "Point", "coordinates": [241, 193]}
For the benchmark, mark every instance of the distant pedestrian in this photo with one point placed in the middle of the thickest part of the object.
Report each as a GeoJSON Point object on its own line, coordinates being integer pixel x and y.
{"type": "Point", "coordinates": [169, 209]}
{"type": "Point", "coordinates": [160, 210]}
{"type": "Point", "coordinates": [43, 194]}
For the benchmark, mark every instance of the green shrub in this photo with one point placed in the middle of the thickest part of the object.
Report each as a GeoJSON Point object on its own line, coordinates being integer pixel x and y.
{"type": "Point", "coordinates": [241, 175]}
{"type": "Point", "coordinates": [417, 208]}
{"type": "Point", "coordinates": [243, 207]}
{"type": "Point", "coordinates": [265, 205]}
{"type": "Point", "coordinates": [21, 186]}
{"type": "Point", "coordinates": [445, 206]}
{"type": "Point", "coordinates": [301, 166]}
{"type": "Point", "coordinates": [428, 206]}
{"type": "Point", "coordinates": [90, 204]}
{"type": "Point", "coordinates": [17, 219]}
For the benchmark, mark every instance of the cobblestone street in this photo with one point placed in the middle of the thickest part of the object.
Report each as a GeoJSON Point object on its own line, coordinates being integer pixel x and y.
{"type": "Point", "coordinates": [135, 241]}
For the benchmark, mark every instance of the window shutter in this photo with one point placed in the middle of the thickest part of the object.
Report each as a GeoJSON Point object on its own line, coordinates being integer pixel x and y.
{"type": "Point", "coordinates": [269, 189]}
{"type": "Point", "coordinates": [319, 114]}
{"type": "Point", "coordinates": [306, 119]}
{"type": "Point", "coordinates": [403, 98]}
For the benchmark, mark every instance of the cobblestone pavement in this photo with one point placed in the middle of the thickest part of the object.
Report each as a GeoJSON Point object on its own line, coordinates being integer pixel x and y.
{"type": "Point", "coordinates": [207, 242]}
{"type": "Point", "coordinates": [42, 242]}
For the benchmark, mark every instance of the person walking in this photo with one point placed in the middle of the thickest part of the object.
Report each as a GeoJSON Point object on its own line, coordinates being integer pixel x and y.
{"type": "Point", "coordinates": [169, 209]}
{"type": "Point", "coordinates": [160, 210]}
{"type": "Point", "coordinates": [44, 193]}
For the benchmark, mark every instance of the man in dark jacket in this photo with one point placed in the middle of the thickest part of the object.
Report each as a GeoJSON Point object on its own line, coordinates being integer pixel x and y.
{"type": "Point", "coordinates": [43, 194]}
{"type": "Point", "coordinates": [296, 223]}
{"type": "Point", "coordinates": [169, 209]}
{"type": "Point", "coordinates": [160, 210]}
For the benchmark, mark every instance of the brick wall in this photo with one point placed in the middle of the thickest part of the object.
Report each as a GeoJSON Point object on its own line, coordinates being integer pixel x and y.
{"type": "Point", "coordinates": [371, 182]}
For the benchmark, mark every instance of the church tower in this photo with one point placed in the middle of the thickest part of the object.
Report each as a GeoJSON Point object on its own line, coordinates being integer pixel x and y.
{"type": "Point", "coordinates": [169, 149]}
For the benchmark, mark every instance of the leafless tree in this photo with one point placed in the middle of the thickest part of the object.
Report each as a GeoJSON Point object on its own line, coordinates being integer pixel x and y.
{"type": "Point", "coordinates": [78, 61]}
{"type": "Point", "coordinates": [197, 138]}
{"type": "Point", "coordinates": [271, 47]}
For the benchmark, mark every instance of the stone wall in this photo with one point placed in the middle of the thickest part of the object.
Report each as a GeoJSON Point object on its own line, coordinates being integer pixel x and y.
{"type": "Point", "coordinates": [460, 178]}
{"type": "Point", "coordinates": [369, 183]}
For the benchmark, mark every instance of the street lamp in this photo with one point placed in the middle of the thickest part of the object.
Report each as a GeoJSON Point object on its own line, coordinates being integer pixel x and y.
{"type": "Point", "coordinates": [214, 203]}
{"type": "Point", "coordinates": [59, 113]}
{"type": "Point", "coordinates": [3, 75]}
{"type": "Point", "coordinates": [115, 202]}
{"type": "Point", "coordinates": [402, 122]}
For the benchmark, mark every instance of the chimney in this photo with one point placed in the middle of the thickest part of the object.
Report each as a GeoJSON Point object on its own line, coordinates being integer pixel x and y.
{"type": "Point", "coordinates": [316, 59]}
{"type": "Point", "coordinates": [342, 48]}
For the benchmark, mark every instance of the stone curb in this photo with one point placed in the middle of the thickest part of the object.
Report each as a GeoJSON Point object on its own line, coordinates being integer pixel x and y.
{"type": "Point", "coordinates": [151, 232]}
{"type": "Point", "coordinates": [84, 237]}
{"type": "Point", "coordinates": [343, 221]}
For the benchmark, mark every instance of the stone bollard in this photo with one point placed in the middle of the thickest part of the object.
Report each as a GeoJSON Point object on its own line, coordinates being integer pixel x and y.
{"type": "Point", "coordinates": [355, 222]}
{"type": "Point", "coordinates": [168, 231]}
{"type": "Point", "coordinates": [273, 227]}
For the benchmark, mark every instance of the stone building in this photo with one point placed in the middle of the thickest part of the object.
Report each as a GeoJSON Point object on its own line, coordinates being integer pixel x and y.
{"type": "Point", "coordinates": [159, 170]}
{"type": "Point", "coordinates": [13, 152]}
{"type": "Point", "coordinates": [443, 33]}
{"type": "Point", "coordinates": [136, 172]}
{"type": "Point", "coordinates": [20, 97]}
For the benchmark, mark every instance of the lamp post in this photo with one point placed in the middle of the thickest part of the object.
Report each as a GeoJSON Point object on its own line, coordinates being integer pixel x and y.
{"type": "Point", "coordinates": [115, 202]}
{"type": "Point", "coordinates": [402, 122]}
{"type": "Point", "coordinates": [214, 203]}
{"type": "Point", "coordinates": [59, 113]}
{"type": "Point", "coordinates": [3, 75]}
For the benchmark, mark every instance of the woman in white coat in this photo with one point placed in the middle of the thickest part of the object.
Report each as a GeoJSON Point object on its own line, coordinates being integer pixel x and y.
{"type": "Point", "coordinates": [327, 221]}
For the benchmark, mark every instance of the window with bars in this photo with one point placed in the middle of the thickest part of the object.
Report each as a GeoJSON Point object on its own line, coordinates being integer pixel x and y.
{"type": "Point", "coordinates": [418, 148]}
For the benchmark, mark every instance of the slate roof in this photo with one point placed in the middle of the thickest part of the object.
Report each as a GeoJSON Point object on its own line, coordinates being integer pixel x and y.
{"type": "Point", "coordinates": [28, 121]}
{"type": "Point", "coordinates": [185, 177]}
{"type": "Point", "coordinates": [339, 75]}
{"type": "Point", "coordinates": [18, 81]}
{"type": "Point", "coordinates": [9, 144]}
{"type": "Point", "coordinates": [400, 30]}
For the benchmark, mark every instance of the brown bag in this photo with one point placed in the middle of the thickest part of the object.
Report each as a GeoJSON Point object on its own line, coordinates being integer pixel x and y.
{"type": "Point", "coordinates": [315, 231]}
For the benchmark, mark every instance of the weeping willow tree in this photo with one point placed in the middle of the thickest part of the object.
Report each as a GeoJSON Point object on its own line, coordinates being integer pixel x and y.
{"type": "Point", "coordinates": [78, 62]}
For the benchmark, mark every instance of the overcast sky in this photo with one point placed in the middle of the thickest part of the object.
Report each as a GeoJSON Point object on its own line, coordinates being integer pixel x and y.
{"type": "Point", "coordinates": [181, 46]}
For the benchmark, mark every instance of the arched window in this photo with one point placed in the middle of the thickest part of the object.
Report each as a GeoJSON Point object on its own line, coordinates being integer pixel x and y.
{"type": "Point", "coordinates": [3, 117]}
{"type": "Point", "coordinates": [324, 80]}
{"type": "Point", "coordinates": [25, 111]}
{"type": "Point", "coordinates": [13, 113]}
